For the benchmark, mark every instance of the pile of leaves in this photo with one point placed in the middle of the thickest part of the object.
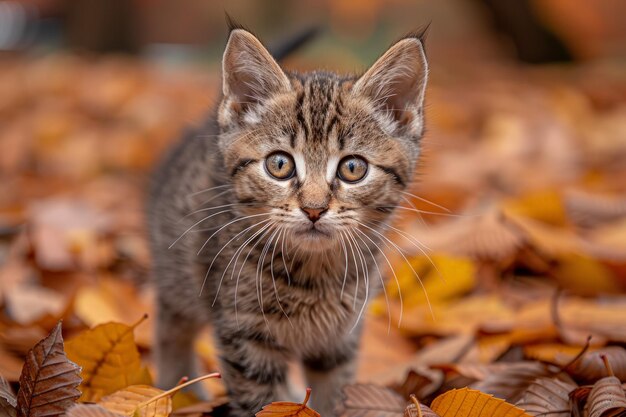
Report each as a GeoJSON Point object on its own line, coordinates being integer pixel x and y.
{"type": "Point", "coordinates": [506, 256]}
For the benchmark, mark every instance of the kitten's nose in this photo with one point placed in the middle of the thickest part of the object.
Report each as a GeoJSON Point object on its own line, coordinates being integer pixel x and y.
{"type": "Point", "coordinates": [314, 213]}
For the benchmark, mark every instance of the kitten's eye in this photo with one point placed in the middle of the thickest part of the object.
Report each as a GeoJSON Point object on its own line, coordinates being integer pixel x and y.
{"type": "Point", "coordinates": [352, 169]}
{"type": "Point", "coordinates": [280, 165]}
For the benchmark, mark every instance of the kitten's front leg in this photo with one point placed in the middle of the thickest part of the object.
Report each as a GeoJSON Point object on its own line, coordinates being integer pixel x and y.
{"type": "Point", "coordinates": [254, 370]}
{"type": "Point", "coordinates": [328, 372]}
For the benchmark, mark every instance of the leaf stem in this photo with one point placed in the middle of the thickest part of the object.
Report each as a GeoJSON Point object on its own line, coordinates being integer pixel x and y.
{"type": "Point", "coordinates": [415, 401]}
{"type": "Point", "coordinates": [177, 388]}
{"type": "Point", "coordinates": [138, 322]}
{"type": "Point", "coordinates": [607, 365]}
{"type": "Point", "coordinates": [308, 395]}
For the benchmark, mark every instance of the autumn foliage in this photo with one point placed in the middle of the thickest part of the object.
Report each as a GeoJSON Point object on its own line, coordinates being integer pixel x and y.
{"type": "Point", "coordinates": [507, 263]}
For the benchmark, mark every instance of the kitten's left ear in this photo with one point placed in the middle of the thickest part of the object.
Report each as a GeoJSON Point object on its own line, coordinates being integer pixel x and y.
{"type": "Point", "coordinates": [397, 83]}
{"type": "Point", "coordinates": [250, 74]}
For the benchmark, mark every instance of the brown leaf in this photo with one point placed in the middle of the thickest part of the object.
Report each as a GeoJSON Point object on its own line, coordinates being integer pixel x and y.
{"type": "Point", "coordinates": [548, 397]}
{"type": "Point", "coordinates": [416, 383]}
{"type": "Point", "coordinates": [591, 366]}
{"type": "Point", "coordinates": [467, 402]}
{"type": "Point", "coordinates": [607, 395]}
{"type": "Point", "coordinates": [411, 410]}
{"type": "Point", "coordinates": [49, 380]}
{"type": "Point", "coordinates": [288, 409]}
{"type": "Point", "coordinates": [90, 410]}
{"type": "Point", "coordinates": [368, 400]}
{"type": "Point", "coordinates": [511, 381]}
{"type": "Point", "coordinates": [8, 401]}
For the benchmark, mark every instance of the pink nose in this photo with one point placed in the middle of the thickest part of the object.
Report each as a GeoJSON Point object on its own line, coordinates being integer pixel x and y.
{"type": "Point", "coordinates": [314, 213]}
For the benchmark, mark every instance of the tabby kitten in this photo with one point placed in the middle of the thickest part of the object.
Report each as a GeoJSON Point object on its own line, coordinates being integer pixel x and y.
{"type": "Point", "coordinates": [269, 220]}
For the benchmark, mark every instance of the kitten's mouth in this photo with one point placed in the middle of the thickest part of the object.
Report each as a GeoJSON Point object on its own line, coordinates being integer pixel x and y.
{"type": "Point", "coordinates": [315, 232]}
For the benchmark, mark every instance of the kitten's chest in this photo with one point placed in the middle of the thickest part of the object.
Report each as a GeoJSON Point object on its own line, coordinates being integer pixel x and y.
{"type": "Point", "coordinates": [306, 322]}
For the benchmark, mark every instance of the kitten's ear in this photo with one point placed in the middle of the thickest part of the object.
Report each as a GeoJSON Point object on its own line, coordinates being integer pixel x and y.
{"type": "Point", "coordinates": [397, 82]}
{"type": "Point", "coordinates": [249, 72]}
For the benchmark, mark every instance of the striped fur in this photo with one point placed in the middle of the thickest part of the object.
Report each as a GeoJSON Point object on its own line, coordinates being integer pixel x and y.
{"type": "Point", "coordinates": [231, 245]}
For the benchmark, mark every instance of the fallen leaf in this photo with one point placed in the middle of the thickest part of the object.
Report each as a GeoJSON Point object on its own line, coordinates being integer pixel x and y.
{"type": "Point", "coordinates": [49, 380]}
{"type": "Point", "coordinates": [288, 409]}
{"type": "Point", "coordinates": [416, 383]}
{"type": "Point", "coordinates": [135, 400]}
{"type": "Point", "coordinates": [89, 410]}
{"type": "Point", "coordinates": [109, 358]}
{"type": "Point", "coordinates": [590, 367]}
{"type": "Point", "coordinates": [415, 409]}
{"type": "Point", "coordinates": [28, 304]}
{"type": "Point", "coordinates": [467, 402]}
{"type": "Point", "coordinates": [8, 400]}
{"type": "Point", "coordinates": [548, 397]}
{"type": "Point", "coordinates": [606, 398]}
{"type": "Point", "coordinates": [369, 400]}
{"type": "Point", "coordinates": [512, 380]}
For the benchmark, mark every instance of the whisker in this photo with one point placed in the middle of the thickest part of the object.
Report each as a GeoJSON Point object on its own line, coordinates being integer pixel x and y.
{"type": "Point", "coordinates": [345, 272]}
{"type": "Point", "coordinates": [356, 268]}
{"type": "Point", "coordinates": [365, 280]}
{"type": "Point", "coordinates": [426, 201]}
{"type": "Point", "coordinates": [228, 224]}
{"type": "Point", "coordinates": [206, 190]}
{"type": "Point", "coordinates": [217, 254]}
{"type": "Point", "coordinates": [380, 277]}
{"type": "Point", "coordinates": [430, 307]}
{"type": "Point", "coordinates": [213, 208]}
{"type": "Point", "coordinates": [195, 224]}
{"type": "Point", "coordinates": [393, 271]}
{"type": "Point", "coordinates": [282, 253]}
{"type": "Point", "coordinates": [282, 232]}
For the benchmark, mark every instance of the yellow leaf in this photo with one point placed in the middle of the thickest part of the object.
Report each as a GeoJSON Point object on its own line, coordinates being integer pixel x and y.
{"type": "Point", "coordinates": [109, 358]}
{"type": "Point", "coordinates": [546, 206]}
{"type": "Point", "coordinates": [135, 400]}
{"type": "Point", "coordinates": [442, 278]}
{"type": "Point", "coordinates": [574, 273]}
{"type": "Point", "coordinates": [467, 402]}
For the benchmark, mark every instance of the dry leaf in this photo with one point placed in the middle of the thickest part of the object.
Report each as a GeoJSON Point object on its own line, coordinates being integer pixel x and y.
{"type": "Point", "coordinates": [109, 358]}
{"type": "Point", "coordinates": [288, 409]}
{"type": "Point", "coordinates": [548, 397]}
{"type": "Point", "coordinates": [416, 383]}
{"type": "Point", "coordinates": [89, 410]}
{"type": "Point", "coordinates": [511, 381]}
{"type": "Point", "coordinates": [369, 400]}
{"type": "Point", "coordinates": [467, 402]}
{"type": "Point", "coordinates": [418, 410]}
{"type": "Point", "coordinates": [49, 380]}
{"type": "Point", "coordinates": [135, 400]}
{"type": "Point", "coordinates": [607, 396]}
{"type": "Point", "coordinates": [8, 400]}
{"type": "Point", "coordinates": [590, 367]}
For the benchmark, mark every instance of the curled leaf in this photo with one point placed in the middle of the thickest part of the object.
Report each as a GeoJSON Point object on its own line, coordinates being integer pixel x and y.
{"type": "Point", "coordinates": [368, 400]}
{"type": "Point", "coordinates": [607, 395]}
{"type": "Point", "coordinates": [548, 397]}
{"type": "Point", "coordinates": [289, 409]}
{"type": "Point", "coordinates": [415, 409]}
{"type": "Point", "coordinates": [109, 358]}
{"type": "Point", "coordinates": [49, 380]}
{"type": "Point", "coordinates": [467, 402]}
{"type": "Point", "coordinates": [590, 367]}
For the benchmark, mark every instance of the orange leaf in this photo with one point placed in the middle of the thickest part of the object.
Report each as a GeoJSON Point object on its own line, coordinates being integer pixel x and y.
{"type": "Point", "coordinates": [288, 409]}
{"type": "Point", "coordinates": [467, 402]}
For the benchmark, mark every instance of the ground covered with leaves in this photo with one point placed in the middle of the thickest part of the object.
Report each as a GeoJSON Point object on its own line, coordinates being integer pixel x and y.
{"type": "Point", "coordinates": [516, 227]}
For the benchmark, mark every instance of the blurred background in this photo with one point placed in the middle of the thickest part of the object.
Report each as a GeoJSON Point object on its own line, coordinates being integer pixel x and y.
{"type": "Point", "coordinates": [521, 193]}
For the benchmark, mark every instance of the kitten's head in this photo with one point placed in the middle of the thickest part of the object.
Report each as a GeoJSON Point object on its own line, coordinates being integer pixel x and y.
{"type": "Point", "coordinates": [319, 154]}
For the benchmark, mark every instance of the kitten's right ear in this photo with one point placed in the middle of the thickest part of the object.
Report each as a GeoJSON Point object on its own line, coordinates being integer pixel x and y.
{"type": "Point", "coordinates": [249, 72]}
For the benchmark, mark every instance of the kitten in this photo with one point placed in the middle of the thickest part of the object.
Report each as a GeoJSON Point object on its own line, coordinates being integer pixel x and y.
{"type": "Point", "coordinates": [269, 220]}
